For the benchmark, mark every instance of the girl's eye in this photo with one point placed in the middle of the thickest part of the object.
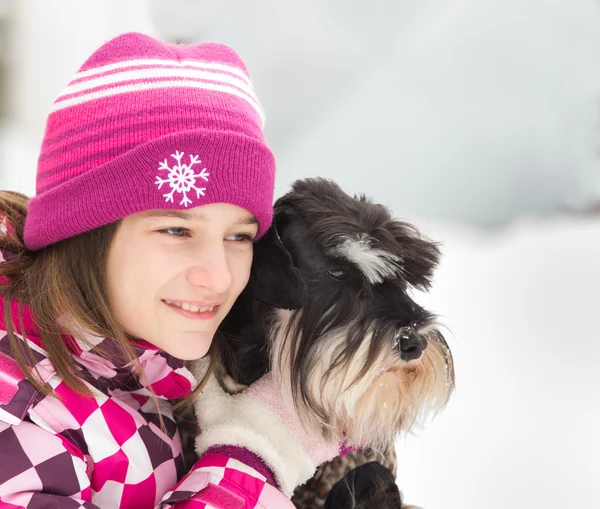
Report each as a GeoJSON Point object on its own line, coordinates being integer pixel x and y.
{"type": "Point", "coordinates": [175, 232]}
{"type": "Point", "coordinates": [240, 237]}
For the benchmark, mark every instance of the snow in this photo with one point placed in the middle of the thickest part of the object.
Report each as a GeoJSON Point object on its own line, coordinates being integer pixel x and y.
{"type": "Point", "coordinates": [468, 110]}
{"type": "Point", "coordinates": [522, 428]}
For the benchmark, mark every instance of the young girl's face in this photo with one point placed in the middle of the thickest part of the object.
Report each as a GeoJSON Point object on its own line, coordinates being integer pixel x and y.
{"type": "Point", "coordinates": [174, 275]}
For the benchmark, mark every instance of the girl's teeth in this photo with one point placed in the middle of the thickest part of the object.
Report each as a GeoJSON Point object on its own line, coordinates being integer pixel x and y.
{"type": "Point", "coordinates": [192, 308]}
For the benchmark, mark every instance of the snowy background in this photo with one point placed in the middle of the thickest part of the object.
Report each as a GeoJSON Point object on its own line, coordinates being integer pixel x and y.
{"type": "Point", "coordinates": [479, 121]}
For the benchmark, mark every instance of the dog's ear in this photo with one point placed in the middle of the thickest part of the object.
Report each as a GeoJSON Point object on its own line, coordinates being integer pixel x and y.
{"type": "Point", "coordinates": [274, 280]}
{"type": "Point", "coordinates": [420, 256]}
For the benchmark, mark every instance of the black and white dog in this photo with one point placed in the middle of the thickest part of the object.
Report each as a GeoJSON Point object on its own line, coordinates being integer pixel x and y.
{"type": "Point", "coordinates": [329, 311]}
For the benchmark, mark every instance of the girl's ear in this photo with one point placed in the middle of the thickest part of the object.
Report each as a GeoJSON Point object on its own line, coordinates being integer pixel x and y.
{"type": "Point", "coordinates": [273, 279]}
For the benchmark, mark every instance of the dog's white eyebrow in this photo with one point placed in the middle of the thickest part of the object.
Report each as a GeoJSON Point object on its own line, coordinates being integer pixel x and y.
{"type": "Point", "coordinates": [375, 263]}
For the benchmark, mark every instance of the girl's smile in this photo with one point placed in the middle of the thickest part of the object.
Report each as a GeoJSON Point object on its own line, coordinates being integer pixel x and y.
{"type": "Point", "coordinates": [193, 310]}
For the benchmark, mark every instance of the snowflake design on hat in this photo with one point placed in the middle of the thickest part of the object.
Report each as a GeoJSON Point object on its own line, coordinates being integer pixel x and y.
{"type": "Point", "coordinates": [181, 178]}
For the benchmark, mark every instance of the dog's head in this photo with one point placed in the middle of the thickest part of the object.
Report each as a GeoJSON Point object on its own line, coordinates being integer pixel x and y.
{"type": "Point", "coordinates": [357, 351]}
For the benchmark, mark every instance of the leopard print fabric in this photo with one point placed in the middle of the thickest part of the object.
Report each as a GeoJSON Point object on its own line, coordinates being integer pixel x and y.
{"type": "Point", "coordinates": [312, 495]}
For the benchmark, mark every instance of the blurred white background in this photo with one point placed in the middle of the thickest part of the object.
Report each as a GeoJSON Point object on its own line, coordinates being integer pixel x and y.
{"type": "Point", "coordinates": [477, 120]}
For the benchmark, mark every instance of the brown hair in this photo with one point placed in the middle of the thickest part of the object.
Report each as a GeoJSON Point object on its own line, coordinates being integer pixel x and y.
{"type": "Point", "coordinates": [64, 279]}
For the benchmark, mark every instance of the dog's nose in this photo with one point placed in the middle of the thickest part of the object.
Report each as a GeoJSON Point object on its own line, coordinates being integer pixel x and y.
{"type": "Point", "coordinates": [411, 346]}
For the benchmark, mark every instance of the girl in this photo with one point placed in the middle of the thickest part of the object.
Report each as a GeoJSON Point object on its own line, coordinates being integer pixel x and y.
{"type": "Point", "coordinates": [153, 180]}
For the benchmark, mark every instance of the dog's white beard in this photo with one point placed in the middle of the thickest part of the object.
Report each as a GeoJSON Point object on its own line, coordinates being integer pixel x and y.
{"type": "Point", "coordinates": [365, 405]}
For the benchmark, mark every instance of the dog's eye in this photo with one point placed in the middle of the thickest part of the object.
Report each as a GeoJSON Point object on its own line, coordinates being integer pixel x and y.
{"type": "Point", "coordinates": [338, 273]}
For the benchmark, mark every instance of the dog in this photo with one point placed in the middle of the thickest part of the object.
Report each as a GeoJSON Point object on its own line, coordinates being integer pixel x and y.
{"type": "Point", "coordinates": [329, 311]}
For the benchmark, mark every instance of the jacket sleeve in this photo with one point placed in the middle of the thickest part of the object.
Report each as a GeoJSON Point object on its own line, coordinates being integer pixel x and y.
{"type": "Point", "coordinates": [222, 482]}
{"type": "Point", "coordinates": [40, 469]}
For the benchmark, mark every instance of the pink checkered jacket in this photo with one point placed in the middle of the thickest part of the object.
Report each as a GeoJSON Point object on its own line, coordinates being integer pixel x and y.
{"type": "Point", "coordinates": [109, 451]}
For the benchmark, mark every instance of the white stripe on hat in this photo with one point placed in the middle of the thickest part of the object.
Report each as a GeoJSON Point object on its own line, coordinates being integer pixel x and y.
{"type": "Point", "coordinates": [214, 66]}
{"type": "Point", "coordinates": [139, 87]}
{"type": "Point", "coordinates": [160, 72]}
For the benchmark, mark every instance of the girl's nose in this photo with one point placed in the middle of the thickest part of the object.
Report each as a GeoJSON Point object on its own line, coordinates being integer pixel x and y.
{"type": "Point", "coordinates": [211, 271]}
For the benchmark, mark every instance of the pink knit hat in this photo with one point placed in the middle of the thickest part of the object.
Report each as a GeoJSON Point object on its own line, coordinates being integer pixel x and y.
{"type": "Point", "coordinates": [145, 125]}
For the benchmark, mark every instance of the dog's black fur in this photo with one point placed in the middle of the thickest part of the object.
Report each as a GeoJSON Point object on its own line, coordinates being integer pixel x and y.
{"type": "Point", "coordinates": [298, 266]}
{"type": "Point", "coordinates": [288, 266]}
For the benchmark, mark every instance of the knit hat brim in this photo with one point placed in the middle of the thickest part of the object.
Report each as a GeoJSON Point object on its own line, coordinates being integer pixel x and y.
{"type": "Point", "coordinates": [177, 171]}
